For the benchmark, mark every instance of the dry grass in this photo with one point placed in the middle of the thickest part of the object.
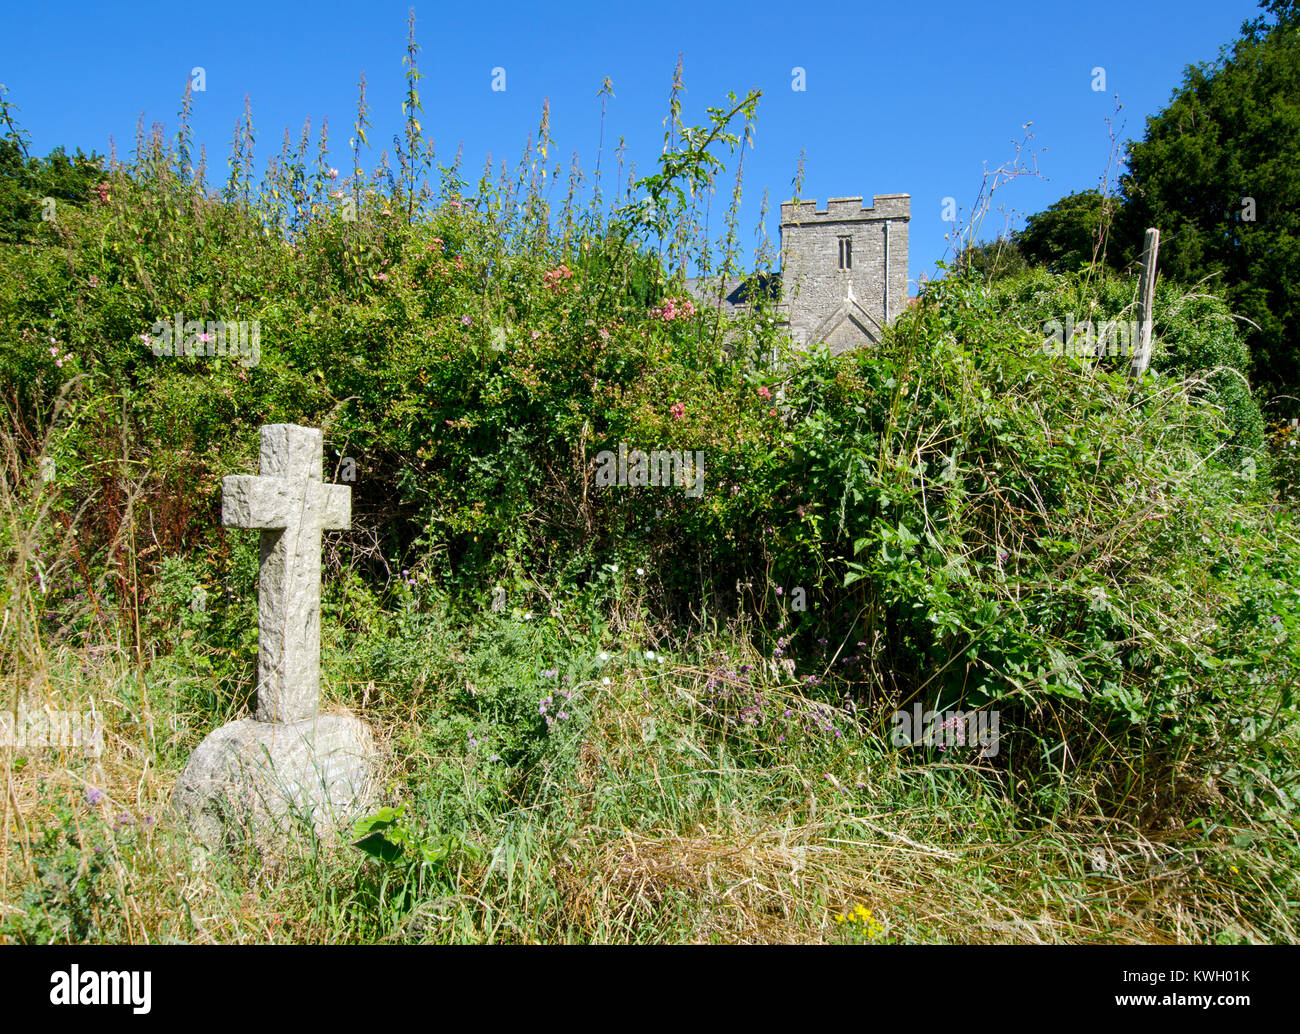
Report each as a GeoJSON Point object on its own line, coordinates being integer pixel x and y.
{"type": "Point", "coordinates": [785, 886]}
{"type": "Point", "coordinates": [758, 870]}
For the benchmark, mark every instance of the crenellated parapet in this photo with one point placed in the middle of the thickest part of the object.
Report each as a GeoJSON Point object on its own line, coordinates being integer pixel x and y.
{"type": "Point", "coordinates": [847, 209]}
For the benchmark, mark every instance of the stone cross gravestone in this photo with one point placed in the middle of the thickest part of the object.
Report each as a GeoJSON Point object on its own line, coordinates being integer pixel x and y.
{"type": "Point", "coordinates": [257, 775]}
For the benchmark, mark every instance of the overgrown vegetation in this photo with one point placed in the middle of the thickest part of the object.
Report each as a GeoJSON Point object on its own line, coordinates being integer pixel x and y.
{"type": "Point", "coordinates": [1210, 174]}
{"type": "Point", "coordinates": [652, 741]}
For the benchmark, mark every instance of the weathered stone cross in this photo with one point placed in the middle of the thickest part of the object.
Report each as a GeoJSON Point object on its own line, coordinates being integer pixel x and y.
{"type": "Point", "coordinates": [291, 506]}
{"type": "Point", "coordinates": [260, 776]}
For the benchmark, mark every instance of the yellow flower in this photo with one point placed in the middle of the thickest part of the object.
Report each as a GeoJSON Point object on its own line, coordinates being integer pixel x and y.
{"type": "Point", "coordinates": [840, 919]}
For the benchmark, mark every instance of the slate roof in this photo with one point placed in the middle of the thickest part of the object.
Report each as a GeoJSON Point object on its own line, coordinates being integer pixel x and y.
{"type": "Point", "coordinates": [737, 294]}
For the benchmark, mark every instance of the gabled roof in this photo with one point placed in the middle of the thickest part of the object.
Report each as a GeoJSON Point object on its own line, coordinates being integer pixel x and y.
{"type": "Point", "coordinates": [738, 292]}
{"type": "Point", "coordinates": [850, 310]}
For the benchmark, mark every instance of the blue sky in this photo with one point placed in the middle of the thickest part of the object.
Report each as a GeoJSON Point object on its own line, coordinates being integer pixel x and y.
{"type": "Point", "coordinates": [911, 98]}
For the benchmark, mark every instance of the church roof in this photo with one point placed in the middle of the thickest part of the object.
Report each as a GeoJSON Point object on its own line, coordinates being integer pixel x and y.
{"type": "Point", "coordinates": [738, 292]}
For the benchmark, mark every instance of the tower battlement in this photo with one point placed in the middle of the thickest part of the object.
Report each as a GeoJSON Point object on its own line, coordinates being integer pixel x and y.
{"type": "Point", "coordinates": [847, 209]}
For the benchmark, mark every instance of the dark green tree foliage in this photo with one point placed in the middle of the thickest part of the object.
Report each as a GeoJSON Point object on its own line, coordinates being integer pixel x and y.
{"type": "Point", "coordinates": [1067, 235]}
{"type": "Point", "coordinates": [994, 259]}
{"type": "Point", "coordinates": [26, 182]}
{"type": "Point", "coordinates": [1219, 173]}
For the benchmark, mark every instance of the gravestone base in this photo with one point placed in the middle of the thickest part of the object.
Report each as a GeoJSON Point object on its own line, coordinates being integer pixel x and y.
{"type": "Point", "coordinates": [258, 781]}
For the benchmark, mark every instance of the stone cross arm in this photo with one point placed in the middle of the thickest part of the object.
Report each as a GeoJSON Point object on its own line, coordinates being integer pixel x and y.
{"type": "Point", "coordinates": [271, 503]}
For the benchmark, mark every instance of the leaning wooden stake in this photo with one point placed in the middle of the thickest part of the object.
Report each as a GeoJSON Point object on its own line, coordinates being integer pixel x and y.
{"type": "Point", "coordinates": [1146, 298]}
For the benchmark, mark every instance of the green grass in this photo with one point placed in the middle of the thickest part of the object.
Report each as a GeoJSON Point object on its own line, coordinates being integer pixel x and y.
{"type": "Point", "coordinates": [654, 813]}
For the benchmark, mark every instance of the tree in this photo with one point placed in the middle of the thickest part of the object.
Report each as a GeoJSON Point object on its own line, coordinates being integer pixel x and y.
{"type": "Point", "coordinates": [25, 182]}
{"type": "Point", "coordinates": [1070, 233]}
{"type": "Point", "coordinates": [1218, 172]}
{"type": "Point", "coordinates": [995, 259]}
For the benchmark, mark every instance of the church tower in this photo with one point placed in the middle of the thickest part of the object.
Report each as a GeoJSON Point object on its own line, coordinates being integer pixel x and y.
{"type": "Point", "coordinates": [844, 268]}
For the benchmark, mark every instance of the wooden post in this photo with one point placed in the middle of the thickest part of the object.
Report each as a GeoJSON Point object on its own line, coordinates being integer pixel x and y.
{"type": "Point", "coordinates": [1146, 299]}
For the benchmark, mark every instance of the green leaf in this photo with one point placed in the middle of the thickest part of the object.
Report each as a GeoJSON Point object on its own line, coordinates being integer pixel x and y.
{"type": "Point", "coordinates": [379, 846]}
{"type": "Point", "coordinates": [380, 820]}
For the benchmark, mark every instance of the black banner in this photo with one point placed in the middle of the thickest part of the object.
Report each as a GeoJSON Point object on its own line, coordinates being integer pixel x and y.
{"type": "Point", "coordinates": [171, 983]}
